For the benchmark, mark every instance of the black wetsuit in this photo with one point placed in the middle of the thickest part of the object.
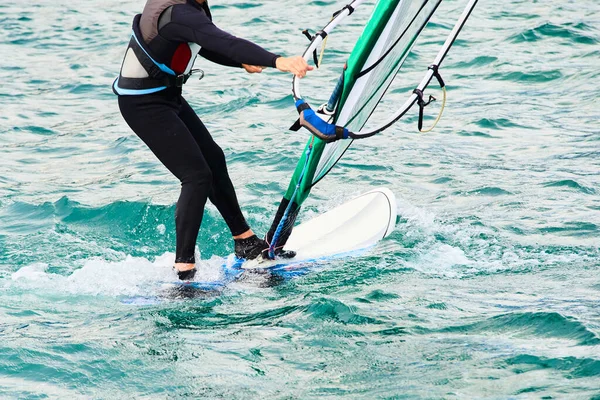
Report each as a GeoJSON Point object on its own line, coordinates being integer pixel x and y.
{"type": "Point", "coordinates": [172, 130]}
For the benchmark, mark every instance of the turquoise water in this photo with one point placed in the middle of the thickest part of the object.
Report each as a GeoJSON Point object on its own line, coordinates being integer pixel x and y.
{"type": "Point", "coordinates": [487, 288]}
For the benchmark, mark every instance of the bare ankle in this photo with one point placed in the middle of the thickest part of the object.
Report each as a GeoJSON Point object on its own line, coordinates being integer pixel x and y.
{"type": "Point", "coordinates": [184, 266]}
{"type": "Point", "coordinates": [244, 235]}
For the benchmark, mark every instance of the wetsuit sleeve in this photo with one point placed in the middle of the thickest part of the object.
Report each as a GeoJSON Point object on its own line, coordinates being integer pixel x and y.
{"type": "Point", "coordinates": [218, 58]}
{"type": "Point", "coordinates": [189, 24]}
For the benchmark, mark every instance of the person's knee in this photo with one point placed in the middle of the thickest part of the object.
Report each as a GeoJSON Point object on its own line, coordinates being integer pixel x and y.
{"type": "Point", "coordinates": [202, 177]}
{"type": "Point", "coordinates": [217, 152]}
{"type": "Point", "coordinates": [216, 160]}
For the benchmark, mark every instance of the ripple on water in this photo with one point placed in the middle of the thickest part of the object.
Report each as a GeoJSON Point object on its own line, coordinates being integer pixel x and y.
{"type": "Point", "coordinates": [540, 76]}
{"type": "Point", "coordinates": [572, 367]}
{"type": "Point", "coordinates": [496, 124]}
{"type": "Point", "coordinates": [573, 228]}
{"type": "Point", "coordinates": [570, 184]}
{"type": "Point", "coordinates": [571, 33]}
{"type": "Point", "coordinates": [489, 191]}
{"type": "Point", "coordinates": [530, 325]}
{"type": "Point", "coordinates": [479, 61]}
{"type": "Point", "coordinates": [327, 309]}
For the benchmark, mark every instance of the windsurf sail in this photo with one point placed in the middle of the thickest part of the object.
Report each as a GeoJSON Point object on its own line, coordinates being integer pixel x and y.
{"type": "Point", "coordinates": [379, 53]}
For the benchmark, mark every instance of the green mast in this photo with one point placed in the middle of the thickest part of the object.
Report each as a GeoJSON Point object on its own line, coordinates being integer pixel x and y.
{"type": "Point", "coordinates": [356, 62]}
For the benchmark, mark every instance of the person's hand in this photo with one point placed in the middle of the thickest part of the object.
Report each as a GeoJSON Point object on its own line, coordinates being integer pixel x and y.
{"type": "Point", "coordinates": [296, 65]}
{"type": "Point", "coordinates": [252, 69]}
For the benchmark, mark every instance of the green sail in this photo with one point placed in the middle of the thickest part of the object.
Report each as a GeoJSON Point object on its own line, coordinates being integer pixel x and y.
{"type": "Point", "coordinates": [382, 48]}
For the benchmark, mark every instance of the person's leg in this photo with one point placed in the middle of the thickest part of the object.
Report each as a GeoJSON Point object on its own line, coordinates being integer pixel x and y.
{"type": "Point", "coordinates": [157, 123]}
{"type": "Point", "coordinates": [223, 193]}
{"type": "Point", "coordinates": [247, 244]}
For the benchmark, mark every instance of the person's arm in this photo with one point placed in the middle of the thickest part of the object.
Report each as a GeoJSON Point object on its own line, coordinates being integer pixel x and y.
{"type": "Point", "coordinates": [188, 24]}
{"type": "Point", "coordinates": [218, 58]}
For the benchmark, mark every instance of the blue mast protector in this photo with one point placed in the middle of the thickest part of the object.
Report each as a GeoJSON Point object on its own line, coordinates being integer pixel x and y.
{"type": "Point", "coordinates": [273, 244]}
{"type": "Point", "coordinates": [335, 96]}
{"type": "Point", "coordinates": [323, 130]}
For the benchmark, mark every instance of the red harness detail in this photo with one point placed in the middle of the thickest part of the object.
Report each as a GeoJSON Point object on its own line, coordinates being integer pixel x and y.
{"type": "Point", "coordinates": [181, 58]}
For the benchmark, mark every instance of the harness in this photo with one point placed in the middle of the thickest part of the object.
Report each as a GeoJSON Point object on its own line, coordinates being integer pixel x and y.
{"type": "Point", "coordinates": [157, 76]}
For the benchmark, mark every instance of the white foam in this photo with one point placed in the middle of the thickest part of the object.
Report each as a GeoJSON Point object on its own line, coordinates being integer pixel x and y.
{"type": "Point", "coordinates": [32, 272]}
{"type": "Point", "coordinates": [441, 259]}
{"type": "Point", "coordinates": [456, 247]}
{"type": "Point", "coordinates": [132, 276]}
{"type": "Point", "coordinates": [415, 216]}
{"type": "Point", "coordinates": [463, 250]}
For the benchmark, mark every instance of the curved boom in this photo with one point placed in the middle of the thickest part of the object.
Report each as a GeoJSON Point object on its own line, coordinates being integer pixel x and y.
{"type": "Point", "coordinates": [310, 120]}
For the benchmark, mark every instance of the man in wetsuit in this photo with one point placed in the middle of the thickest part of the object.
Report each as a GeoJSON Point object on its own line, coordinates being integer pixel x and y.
{"type": "Point", "coordinates": [166, 38]}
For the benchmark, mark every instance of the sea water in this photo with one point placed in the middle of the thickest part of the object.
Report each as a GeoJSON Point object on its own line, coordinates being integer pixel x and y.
{"type": "Point", "coordinates": [488, 287]}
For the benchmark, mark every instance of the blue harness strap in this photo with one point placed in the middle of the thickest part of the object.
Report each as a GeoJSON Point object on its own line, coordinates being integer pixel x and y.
{"type": "Point", "coordinates": [160, 76]}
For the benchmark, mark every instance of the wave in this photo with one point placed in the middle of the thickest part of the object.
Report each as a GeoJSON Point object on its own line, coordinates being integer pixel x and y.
{"type": "Point", "coordinates": [572, 33]}
{"type": "Point", "coordinates": [571, 184]}
{"type": "Point", "coordinates": [529, 325]}
{"type": "Point", "coordinates": [577, 229]}
{"type": "Point", "coordinates": [476, 62]}
{"type": "Point", "coordinates": [135, 228]}
{"type": "Point", "coordinates": [489, 191]}
{"type": "Point", "coordinates": [334, 310]}
{"type": "Point", "coordinates": [208, 316]}
{"type": "Point", "coordinates": [497, 123]}
{"type": "Point", "coordinates": [572, 367]}
{"type": "Point", "coordinates": [529, 77]}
